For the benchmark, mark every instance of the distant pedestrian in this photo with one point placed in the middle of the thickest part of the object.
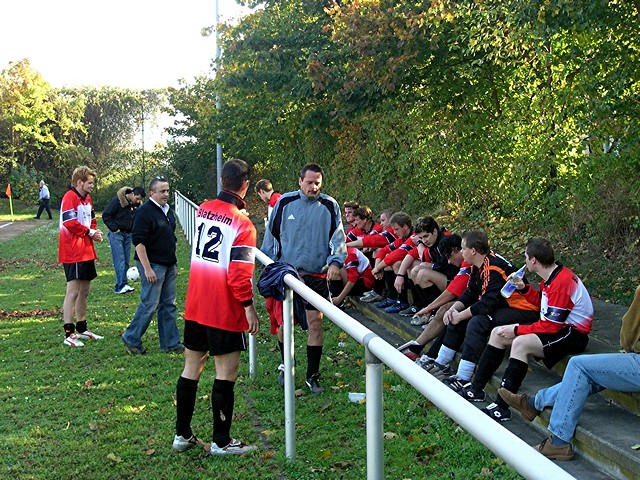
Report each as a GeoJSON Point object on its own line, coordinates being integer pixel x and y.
{"type": "Point", "coordinates": [76, 251]}
{"type": "Point", "coordinates": [155, 240]}
{"type": "Point", "coordinates": [118, 217]}
{"type": "Point", "coordinates": [43, 199]}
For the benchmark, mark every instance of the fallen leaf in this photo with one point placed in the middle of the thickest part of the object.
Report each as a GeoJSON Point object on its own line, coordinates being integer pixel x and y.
{"type": "Point", "coordinates": [150, 452]}
{"type": "Point", "coordinates": [299, 393]}
{"type": "Point", "coordinates": [390, 435]}
{"type": "Point", "coordinates": [113, 458]}
{"type": "Point", "coordinates": [93, 426]}
{"type": "Point", "coordinates": [325, 406]}
{"type": "Point", "coordinates": [267, 455]}
{"type": "Point", "coordinates": [268, 432]}
{"type": "Point", "coordinates": [324, 454]}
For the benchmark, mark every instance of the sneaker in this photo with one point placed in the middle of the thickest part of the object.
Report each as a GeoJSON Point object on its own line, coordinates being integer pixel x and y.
{"type": "Point", "coordinates": [368, 296]}
{"type": "Point", "coordinates": [281, 374]}
{"type": "Point", "coordinates": [88, 335]}
{"type": "Point", "coordinates": [178, 349]}
{"type": "Point", "coordinates": [425, 362]}
{"type": "Point", "coordinates": [387, 302]}
{"type": "Point", "coordinates": [234, 447]}
{"type": "Point", "coordinates": [133, 350]}
{"type": "Point", "coordinates": [314, 384]}
{"type": "Point", "coordinates": [375, 297]}
{"type": "Point", "coordinates": [438, 371]}
{"type": "Point", "coordinates": [497, 413]}
{"type": "Point", "coordinates": [181, 444]}
{"type": "Point", "coordinates": [73, 341]}
{"type": "Point", "coordinates": [552, 452]}
{"type": "Point", "coordinates": [396, 307]}
{"type": "Point", "coordinates": [455, 383]}
{"type": "Point", "coordinates": [419, 320]}
{"type": "Point", "coordinates": [405, 346]}
{"type": "Point", "coordinates": [125, 289]}
{"type": "Point", "coordinates": [409, 311]}
{"type": "Point", "coordinates": [519, 401]}
{"type": "Point", "coordinates": [472, 395]}
{"type": "Point", "coordinates": [411, 355]}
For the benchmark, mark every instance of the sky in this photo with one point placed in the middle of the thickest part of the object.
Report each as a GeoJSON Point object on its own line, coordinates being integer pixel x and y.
{"type": "Point", "coordinates": [138, 44]}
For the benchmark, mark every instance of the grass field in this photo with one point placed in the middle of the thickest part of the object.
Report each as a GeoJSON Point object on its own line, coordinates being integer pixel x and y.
{"type": "Point", "coordinates": [97, 412]}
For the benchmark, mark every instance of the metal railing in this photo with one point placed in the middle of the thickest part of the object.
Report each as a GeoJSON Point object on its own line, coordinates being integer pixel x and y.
{"type": "Point", "coordinates": [519, 455]}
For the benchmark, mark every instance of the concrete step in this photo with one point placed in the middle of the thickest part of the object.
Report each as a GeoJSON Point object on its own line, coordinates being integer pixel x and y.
{"type": "Point", "coordinates": [609, 424]}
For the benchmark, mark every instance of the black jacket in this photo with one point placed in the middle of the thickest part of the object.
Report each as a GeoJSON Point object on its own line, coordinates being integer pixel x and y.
{"type": "Point", "coordinates": [156, 231]}
{"type": "Point", "coordinates": [119, 212]}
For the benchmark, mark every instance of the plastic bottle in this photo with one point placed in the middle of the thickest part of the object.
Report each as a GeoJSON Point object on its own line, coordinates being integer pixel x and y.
{"type": "Point", "coordinates": [510, 287]}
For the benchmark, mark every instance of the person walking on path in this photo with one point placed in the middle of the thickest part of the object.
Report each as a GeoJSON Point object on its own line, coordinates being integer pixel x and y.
{"type": "Point", "coordinates": [118, 217]}
{"type": "Point", "coordinates": [222, 261]}
{"type": "Point", "coordinates": [43, 199]}
{"type": "Point", "coordinates": [76, 251]}
{"type": "Point", "coordinates": [154, 238]}
{"type": "Point", "coordinates": [305, 230]}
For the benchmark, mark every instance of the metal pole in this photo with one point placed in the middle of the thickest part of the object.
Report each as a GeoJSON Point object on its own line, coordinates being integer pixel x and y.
{"type": "Point", "coordinates": [374, 410]}
{"type": "Point", "coordinates": [218, 144]}
{"type": "Point", "coordinates": [252, 357]}
{"type": "Point", "coordinates": [142, 128]}
{"type": "Point", "coordinates": [289, 376]}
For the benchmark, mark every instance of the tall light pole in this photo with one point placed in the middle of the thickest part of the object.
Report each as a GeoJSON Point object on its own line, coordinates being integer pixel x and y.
{"type": "Point", "coordinates": [142, 131]}
{"type": "Point", "coordinates": [218, 144]}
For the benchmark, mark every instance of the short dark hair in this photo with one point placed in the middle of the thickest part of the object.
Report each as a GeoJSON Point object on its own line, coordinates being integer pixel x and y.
{"type": "Point", "coordinates": [264, 184]}
{"type": "Point", "coordinates": [234, 173]}
{"type": "Point", "coordinates": [477, 239]}
{"type": "Point", "coordinates": [139, 191]}
{"type": "Point", "coordinates": [155, 180]}
{"type": "Point", "coordinates": [541, 249]}
{"type": "Point", "coordinates": [363, 212]}
{"type": "Point", "coordinates": [448, 243]}
{"type": "Point", "coordinates": [426, 224]}
{"type": "Point", "coordinates": [351, 204]}
{"type": "Point", "coordinates": [313, 167]}
{"type": "Point", "coordinates": [401, 219]}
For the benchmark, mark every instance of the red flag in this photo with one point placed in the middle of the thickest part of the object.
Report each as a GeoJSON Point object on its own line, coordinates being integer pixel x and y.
{"type": "Point", "coordinates": [8, 192]}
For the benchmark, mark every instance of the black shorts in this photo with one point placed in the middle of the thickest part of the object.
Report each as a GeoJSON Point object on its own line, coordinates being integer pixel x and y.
{"type": "Point", "coordinates": [556, 346]}
{"type": "Point", "coordinates": [201, 338]}
{"type": "Point", "coordinates": [80, 270]}
{"type": "Point", "coordinates": [318, 285]}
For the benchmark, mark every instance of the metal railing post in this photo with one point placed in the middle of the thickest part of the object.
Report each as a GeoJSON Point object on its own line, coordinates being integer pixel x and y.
{"type": "Point", "coordinates": [289, 377]}
{"type": "Point", "coordinates": [252, 357]}
{"type": "Point", "coordinates": [374, 413]}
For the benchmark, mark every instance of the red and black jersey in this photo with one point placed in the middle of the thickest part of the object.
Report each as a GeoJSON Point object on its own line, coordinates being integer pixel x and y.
{"type": "Point", "coordinates": [77, 217]}
{"type": "Point", "coordinates": [396, 251]}
{"type": "Point", "coordinates": [222, 265]}
{"type": "Point", "coordinates": [563, 300]}
{"type": "Point", "coordinates": [379, 237]}
{"type": "Point", "coordinates": [459, 283]}
{"type": "Point", "coordinates": [358, 266]}
{"type": "Point", "coordinates": [273, 199]}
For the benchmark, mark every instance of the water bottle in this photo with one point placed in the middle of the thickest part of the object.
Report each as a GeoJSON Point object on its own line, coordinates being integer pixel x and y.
{"type": "Point", "coordinates": [510, 287]}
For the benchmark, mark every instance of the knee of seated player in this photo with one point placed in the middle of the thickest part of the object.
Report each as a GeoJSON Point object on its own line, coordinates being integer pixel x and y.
{"type": "Point", "coordinates": [526, 345]}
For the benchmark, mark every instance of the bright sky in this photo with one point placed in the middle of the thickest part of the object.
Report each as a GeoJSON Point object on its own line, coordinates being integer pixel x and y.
{"type": "Point", "coordinates": [137, 44]}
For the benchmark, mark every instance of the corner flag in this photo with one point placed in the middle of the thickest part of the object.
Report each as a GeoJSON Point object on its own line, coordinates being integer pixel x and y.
{"type": "Point", "coordinates": [8, 192]}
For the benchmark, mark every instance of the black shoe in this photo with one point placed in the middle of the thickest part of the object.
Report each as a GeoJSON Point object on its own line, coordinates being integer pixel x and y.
{"type": "Point", "coordinates": [178, 349]}
{"type": "Point", "coordinates": [497, 413]}
{"type": "Point", "coordinates": [313, 383]}
{"type": "Point", "coordinates": [133, 350]}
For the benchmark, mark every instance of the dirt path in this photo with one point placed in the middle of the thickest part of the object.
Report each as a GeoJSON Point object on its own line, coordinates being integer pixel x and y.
{"type": "Point", "coordinates": [8, 230]}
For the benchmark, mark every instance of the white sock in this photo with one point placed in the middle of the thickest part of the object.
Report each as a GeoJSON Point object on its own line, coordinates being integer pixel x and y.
{"type": "Point", "coordinates": [465, 370]}
{"type": "Point", "coordinates": [445, 355]}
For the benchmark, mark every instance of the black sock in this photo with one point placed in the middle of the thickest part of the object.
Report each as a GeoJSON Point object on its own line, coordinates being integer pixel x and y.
{"type": "Point", "coordinates": [378, 286]}
{"type": "Point", "coordinates": [513, 378]}
{"type": "Point", "coordinates": [416, 348]}
{"type": "Point", "coordinates": [69, 328]}
{"type": "Point", "coordinates": [389, 279]}
{"type": "Point", "coordinates": [186, 390]}
{"type": "Point", "coordinates": [314, 354]}
{"type": "Point", "coordinates": [281, 347]}
{"type": "Point", "coordinates": [489, 362]}
{"type": "Point", "coordinates": [81, 326]}
{"type": "Point", "coordinates": [222, 399]}
{"type": "Point", "coordinates": [417, 295]}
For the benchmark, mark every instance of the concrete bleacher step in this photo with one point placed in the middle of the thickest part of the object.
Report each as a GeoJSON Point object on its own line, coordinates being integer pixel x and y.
{"type": "Point", "coordinates": [608, 426]}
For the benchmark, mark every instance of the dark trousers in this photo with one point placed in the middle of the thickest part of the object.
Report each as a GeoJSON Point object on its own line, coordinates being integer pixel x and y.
{"type": "Point", "coordinates": [44, 205]}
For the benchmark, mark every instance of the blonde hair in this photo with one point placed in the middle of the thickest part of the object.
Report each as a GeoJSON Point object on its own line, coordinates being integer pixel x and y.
{"type": "Point", "coordinates": [82, 173]}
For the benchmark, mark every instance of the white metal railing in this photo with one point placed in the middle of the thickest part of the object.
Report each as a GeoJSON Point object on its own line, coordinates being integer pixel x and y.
{"type": "Point", "coordinates": [498, 439]}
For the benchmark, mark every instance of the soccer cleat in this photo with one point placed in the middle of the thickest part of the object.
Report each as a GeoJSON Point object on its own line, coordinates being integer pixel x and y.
{"type": "Point", "coordinates": [519, 401]}
{"type": "Point", "coordinates": [419, 320]}
{"type": "Point", "coordinates": [387, 302]}
{"type": "Point", "coordinates": [552, 452]}
{"type": "Point", "coordinates": [73, 341]}
{"type": "Point", "coordinates": [234, 447]}
{"type": "Point", "coordinates": [181, 444]}
{"type": "Point", "coordinates": [438, 371]}
{"type": "Point", "coordinates": [497, 413]}
{"type": "Point", "coordinates": [409, 311]}
{"type": "Point", "coordinates": [88, 335]}
{"type": "Point", "coordinates": [455, 383]}
{"type": "Point", "coordinates": [472, 395]}
{"type": "Point", "coordinates": [281, 374]}
{"type": "Point", "coordinates": [425, 362]}
{"type": "Point", "coordinates": [396, 307]}
{"type": "Point", "coordinates": [314, 384]}
{"type": "Point", "coordinates": [374, 297]}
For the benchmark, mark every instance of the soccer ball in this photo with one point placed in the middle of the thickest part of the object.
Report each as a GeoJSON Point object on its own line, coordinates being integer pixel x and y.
{"type": "Point", "coordinates": [133, 275]}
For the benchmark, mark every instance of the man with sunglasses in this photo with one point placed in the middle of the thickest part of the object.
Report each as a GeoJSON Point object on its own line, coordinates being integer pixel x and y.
{"type": "Point", "coordinates": [153, 235]}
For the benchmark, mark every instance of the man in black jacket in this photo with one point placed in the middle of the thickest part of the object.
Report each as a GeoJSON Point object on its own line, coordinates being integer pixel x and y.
{"type": "Point", "coordinates": [154, 237]}
{"type": "Point", "coordinates": [118, 217]}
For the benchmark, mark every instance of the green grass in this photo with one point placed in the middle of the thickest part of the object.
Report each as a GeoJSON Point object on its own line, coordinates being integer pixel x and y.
{"type": "Point", "coordinates": [100, 413]}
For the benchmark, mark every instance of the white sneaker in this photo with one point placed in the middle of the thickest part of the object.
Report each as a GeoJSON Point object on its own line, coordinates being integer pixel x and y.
{"type": "Point", "coordinates": [125, 289]}
{"type": "Point", "coordinates": [181, 444]}
{"type": "Point", "coordinates": [234, 447]}
{"type": "Point", "coordinates": [88, 335]}
{"type": "Point", "coordinates": [72, 341]}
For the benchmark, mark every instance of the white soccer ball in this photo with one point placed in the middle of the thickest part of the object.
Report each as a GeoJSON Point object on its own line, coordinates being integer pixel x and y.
{"type": "Point", "coordinates": [133, 275]}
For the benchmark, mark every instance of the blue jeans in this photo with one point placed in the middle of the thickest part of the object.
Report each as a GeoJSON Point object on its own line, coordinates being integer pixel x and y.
{"type": "Point", "coordinates": [120, 254]}
{"type": "Point", "coordinates": [160, 297]}
{"type": "Point", "coordinates": [584, 376]}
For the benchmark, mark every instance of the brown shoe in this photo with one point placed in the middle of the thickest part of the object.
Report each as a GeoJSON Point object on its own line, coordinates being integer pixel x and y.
{"type": "Point", "coordinates": [547, 449]}
{"type": "Point", "coordinates": [519, 401]}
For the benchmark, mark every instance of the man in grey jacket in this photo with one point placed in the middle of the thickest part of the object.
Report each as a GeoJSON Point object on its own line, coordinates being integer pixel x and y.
{"type": "Point", "coordinates": [305, 230]}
